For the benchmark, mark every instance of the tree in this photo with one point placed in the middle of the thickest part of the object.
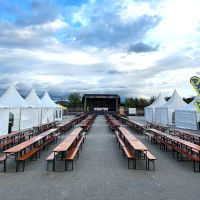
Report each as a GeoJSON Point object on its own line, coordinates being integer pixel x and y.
{"type": "Point", "coordinates": [189, 100]}
{"type": "Point", "coordinates": [152, 99]}
{"type": "Point", "coordinates": [75, 100]}
{"type": "Point", "coordinates": [167, 98]}
{"type": "Point", "coordinates": [138, 103]}
{"type": "Point", "coordinates": [129, 103]}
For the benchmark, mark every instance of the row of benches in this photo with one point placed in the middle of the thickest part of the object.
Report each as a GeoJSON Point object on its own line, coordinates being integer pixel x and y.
{"type": "Point", "coordinates": [11, 141]}
{"type": "Point", "coordinates": [35, 152]}
{"type": "Point", "coordinates": [32, 153]}
{"type": "Point", "coordinates": [132, 124]}
{"type": "Point", "coordinates": [131, 155]}
{"type": "Point", "coordinates": [78, 145]}
{"type": "Point", "coordinates": [70, 157]}
{"type": "Point", "coordinates": [111, 124]}
{"type": "Point", "coordinates": [181, 154]}
{"type": "Point", "coordinates": [73, 151]}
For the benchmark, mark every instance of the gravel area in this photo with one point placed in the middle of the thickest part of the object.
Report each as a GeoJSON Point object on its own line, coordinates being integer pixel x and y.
{"type": "Point", "coordinates": [101, 173]}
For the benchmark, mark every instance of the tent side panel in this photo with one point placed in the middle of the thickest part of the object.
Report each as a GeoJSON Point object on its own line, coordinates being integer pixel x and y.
{"type": "Point", "coordinates": [58, 114]}
{"type": "Point", "coordinates": [186, 119]}
{"type": "Point", "coordinates": [47, 115]}
{"type": "Point", "coordinates": [29, 118]}
{"type": "Point", "coordinates": [4, 116]}
{"type": "Point", "coordinates": [148, 112]}
{"type": "Point", "coordinates": [161, 115]}
{"type": "Point", "coordinates": [16, 113]}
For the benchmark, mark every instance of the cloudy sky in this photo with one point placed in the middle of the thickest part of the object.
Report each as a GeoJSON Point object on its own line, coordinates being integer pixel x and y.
{"type": "Point", "coordinates": [135, 48]}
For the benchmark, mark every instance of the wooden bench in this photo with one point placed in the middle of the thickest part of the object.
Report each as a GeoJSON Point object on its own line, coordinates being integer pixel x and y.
{"type": "Point", "coordinates": [88, 127]}
{"type": "Point", "coordinates": [149, 158]}
{"type": "Point", "coordinates": [112, 128]}
{"type": "Point", "coordinates": [148, 135]}
{"type": "Point", "coordinates": [119, 140]}
{"type": "Point", "coordinates": [26, 156]}
{"type": "Point", "coordinates": [187, 154]}
{"type": "Point", "coordinates": [51, 159]}
{"type": "Point", "coordinates": [3, 161]}
{"type": "Point", "coordinates": [72, 153]}
{"type": "Point", "coordinates": [127, 153]}
{"type": "Point", "coordinates": [46, 144]}
{"type": "Point", "coordinates": [165, 145]}
{"type": "Point", "coordinates": [7, 144]}
{"type": "Point", "coordinates": [130, 156]}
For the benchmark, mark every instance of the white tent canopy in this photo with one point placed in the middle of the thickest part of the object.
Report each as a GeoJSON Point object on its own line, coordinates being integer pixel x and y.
{"type": "Point", "coordinates": [149, 111]}
{"type": "Point", "coordinates": [187, 117]}
{"type": "Point", "coordinates": [50, 111]}
{"type": "Point", "coordinates": [18, 107]}
{"type": "Point", "coordinates": [165, 114]}
{"type": "Point", "coordinates": [4, 116]}
{"type": "Point", "coordinates": [13, 99]}
{"type": "Point", "coordinates": [34, 100]}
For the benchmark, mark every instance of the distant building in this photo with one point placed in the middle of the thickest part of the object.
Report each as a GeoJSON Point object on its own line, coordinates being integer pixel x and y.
{"type": "Point", "coordinates": [101, 102]}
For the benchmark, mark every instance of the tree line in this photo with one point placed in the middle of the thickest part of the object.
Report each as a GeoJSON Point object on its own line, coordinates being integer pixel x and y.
{"type": "Point", "coordinates": [75, 100]}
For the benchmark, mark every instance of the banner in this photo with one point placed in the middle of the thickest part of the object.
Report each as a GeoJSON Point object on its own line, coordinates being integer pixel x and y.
{"type": "Point", "coordinates": [195, 81]}
{"type": "Point", "coordinates": [197, 104]}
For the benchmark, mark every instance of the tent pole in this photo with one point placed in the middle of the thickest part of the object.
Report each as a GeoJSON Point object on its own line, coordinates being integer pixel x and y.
{"type": "Point", "coordinates": [41, 116]}
{"type": "Point", "coordinates": [19, 118]}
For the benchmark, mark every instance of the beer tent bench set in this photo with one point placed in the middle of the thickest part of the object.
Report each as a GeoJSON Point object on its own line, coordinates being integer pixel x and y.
{"type": "Point", "coordinates": [31, 148]}
{"type": "Point", "coordinates": [133, 149]}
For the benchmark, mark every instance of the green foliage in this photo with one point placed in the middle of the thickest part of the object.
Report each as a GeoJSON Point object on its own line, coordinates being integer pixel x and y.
{"type": "Point", "coordinates": [166, 98]}
{"type": "Point", "coordinates": [152, 99]}
{"type": "Point", "coordinates": [75, 100]}
{"type": "Point", "coordinates": [138, 103]}
{"type": "Point", "coordinates": [189, 100]}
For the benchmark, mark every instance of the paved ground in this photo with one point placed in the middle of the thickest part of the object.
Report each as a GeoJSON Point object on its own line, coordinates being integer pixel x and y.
{"type": "Point", "coordinates": [101, 174]}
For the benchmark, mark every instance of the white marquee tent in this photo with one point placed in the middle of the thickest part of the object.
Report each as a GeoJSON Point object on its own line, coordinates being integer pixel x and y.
{"type": "Point", "coordinates": [187, 117]}
{"type": "Point", "coordinates": [166, 114]}
{"type": "Point", "coordinates": [21, 110]}
{"type": "Point", "coordinates": [34, 100]}
{"type": "Point", "coordinates": [4, 119]}
{"type": "Point", "coordinates": [50, 110]}
{"type": "Point", "coordinates": [149, 111]}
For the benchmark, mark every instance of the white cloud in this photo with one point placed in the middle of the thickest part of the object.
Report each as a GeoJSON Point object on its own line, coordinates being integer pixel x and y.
{"type": "Point", "coordinates": [131, 10]}
{"type": "Point", "coordinates": [180, 20]}
{"type": "Point", "coordinates": [86, 49]}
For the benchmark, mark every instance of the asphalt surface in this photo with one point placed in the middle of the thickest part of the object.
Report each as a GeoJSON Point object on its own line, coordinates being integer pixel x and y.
{"type": "Point", "coordinates": [101, 173]}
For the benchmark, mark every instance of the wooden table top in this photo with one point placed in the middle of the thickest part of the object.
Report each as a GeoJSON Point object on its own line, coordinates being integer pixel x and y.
{"type": "Point", "coordinates": [76, 131]}
{"type": "Point", "coordinates": [84, 123]}
{"type": "Point", "coordinates": [43, 125]}
{"type": "Point", "coordinates": [68, 141]}
{"type": "Point", "coordinates": [65, 144]}
{"type": "Point", "coordinates": [127, 134]}
{"type": "Point", "coordinates": [136, 123]}
{"type": "Point", "coordinates": [64, 124]}
{"type": "Point", "coordinates": [134, 142]}
{"type": "Point", "coordinates": [138, 145]}
{"type": "Point", "coordinates": [176, 139]}
{"type": "Point", "coordinates": [115, 122]}
{"type": "Point", "coordinates": [187, 133]}
{"type": "Point", "coordinates": [161, 125]}
{"type": "Point", "coordinates": [15, 133]}
{"type": "Point", "coordinates": [29, 142]}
